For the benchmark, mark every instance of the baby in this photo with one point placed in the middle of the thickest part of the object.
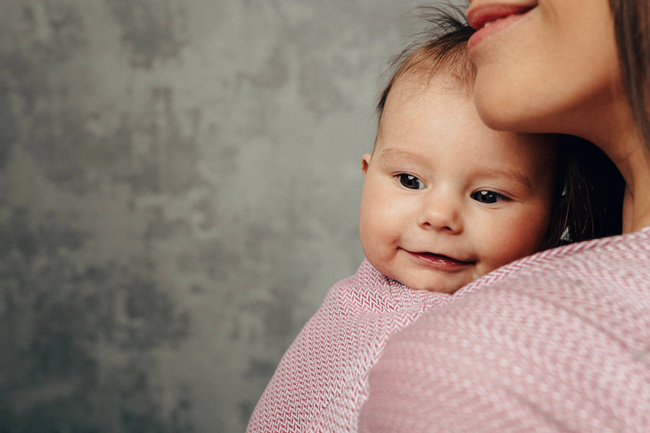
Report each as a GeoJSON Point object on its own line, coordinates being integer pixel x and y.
{"type": "Point", "coordinates": [445, 201]}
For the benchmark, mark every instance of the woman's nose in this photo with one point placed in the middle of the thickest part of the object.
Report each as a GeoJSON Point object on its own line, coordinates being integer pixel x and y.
{"type": "Point", "coordinates": [441, 212]}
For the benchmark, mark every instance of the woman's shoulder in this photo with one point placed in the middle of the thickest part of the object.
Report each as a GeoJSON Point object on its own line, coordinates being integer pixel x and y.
{"type": "Point", "coordinates": [565, 332]}
{"type": "Point", "coordinates": [368, 290]}
{"type": "Point", "coordinates": [592, 290]}
{"type": "Point", "coordinates": [613, 261]}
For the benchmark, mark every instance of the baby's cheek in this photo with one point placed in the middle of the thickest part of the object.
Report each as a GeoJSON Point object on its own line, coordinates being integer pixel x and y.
{"type": "Point", "coordinates": [498, 243]}
{"type": "Point", "coordinates": [372, 235]}
{"type": "Point", "coordinates": [522, 239]}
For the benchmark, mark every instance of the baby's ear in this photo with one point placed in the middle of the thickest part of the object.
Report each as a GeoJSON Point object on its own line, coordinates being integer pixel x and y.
{"type": "Point", "coordinates": [365, 162]}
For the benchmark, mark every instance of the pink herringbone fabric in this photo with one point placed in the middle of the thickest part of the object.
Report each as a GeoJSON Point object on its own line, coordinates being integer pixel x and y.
{"type": "Point", "coordinates": [322, 380]}
{"type": "Point", "coordinates": [557, 342]}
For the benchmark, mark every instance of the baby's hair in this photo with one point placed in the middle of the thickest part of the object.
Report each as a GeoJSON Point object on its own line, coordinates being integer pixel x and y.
{"type": "Point", "coordinates": [587, 200]}
{"type": "Point", "coordinates": [442, 49]}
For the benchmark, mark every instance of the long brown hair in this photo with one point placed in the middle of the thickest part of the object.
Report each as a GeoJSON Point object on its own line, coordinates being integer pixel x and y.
{"type": "Point", "coordinates": [588, 197]}
{"type": "Point", "coordinates": [633, 40]}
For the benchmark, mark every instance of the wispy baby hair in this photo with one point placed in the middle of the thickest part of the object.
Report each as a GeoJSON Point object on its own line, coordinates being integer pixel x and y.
{"type": "Point", "coordinates": [441, 47]}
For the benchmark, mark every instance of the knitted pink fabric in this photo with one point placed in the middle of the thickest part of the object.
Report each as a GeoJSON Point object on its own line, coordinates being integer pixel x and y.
{"type": "Point", "coordinates": [557, 342]}
{"type": "Point", "coordinates": [322, 379]}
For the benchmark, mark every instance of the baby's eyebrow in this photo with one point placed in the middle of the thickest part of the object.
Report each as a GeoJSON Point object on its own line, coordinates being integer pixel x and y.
{"type": "Point", "coordinates": [394, 153]}
{"type": "Point", "coordinates": [515, 175]}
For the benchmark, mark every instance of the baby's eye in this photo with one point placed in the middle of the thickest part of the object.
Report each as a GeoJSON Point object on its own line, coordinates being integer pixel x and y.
{"type": "Point", "coordinates": [489, 197]}
{"type": "Point", "coordinates": [409, 181]}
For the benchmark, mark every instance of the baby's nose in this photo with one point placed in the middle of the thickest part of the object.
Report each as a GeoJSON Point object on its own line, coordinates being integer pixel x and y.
{"type": "Point", "coordinates": [441, 211]}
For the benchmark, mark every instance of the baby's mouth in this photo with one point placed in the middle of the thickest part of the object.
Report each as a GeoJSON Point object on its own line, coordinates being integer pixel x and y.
{"type": "Point", "coordinates": [442, 260]}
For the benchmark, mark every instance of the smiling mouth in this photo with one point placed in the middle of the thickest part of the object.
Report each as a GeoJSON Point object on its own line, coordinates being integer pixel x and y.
{"type": "Point", "coordinates": [440, 261]}
{"type": "Point", "coordinates": [486, 15]}
{"type": "Point", "coordinates": [491, 19]}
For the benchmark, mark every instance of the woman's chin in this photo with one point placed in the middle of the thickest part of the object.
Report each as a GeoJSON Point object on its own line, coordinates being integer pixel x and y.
{"type": "Point", "coordinates": [498, 116]}
{"type": "Point", "coordinates": [510, 113]}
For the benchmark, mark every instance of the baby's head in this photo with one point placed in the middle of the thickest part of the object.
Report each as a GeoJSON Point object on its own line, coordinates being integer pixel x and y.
{"type": "Point", "coordinates": [446, 199]}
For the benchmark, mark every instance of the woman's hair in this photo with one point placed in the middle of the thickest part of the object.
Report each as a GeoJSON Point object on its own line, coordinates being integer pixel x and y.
{"type": "Point", "coordinates": [633, 41]}
{"type": "Point", "coordinates": [588, 195]}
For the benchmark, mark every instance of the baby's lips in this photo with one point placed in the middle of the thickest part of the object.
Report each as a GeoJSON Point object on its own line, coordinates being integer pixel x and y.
{"type": "Point", "coordinates": [447, 257]}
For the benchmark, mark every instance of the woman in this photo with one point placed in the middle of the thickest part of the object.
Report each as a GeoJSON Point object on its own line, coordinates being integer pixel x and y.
{"type": "Point", "coordinates": [559, 341]}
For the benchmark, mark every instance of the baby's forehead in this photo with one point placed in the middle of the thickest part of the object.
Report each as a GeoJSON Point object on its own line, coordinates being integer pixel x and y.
{"type": "Point", "coordinates": [443, 81]}
{"type": "Point", "coordinates": [409, 87]}
{"type": "Point", "coordinates": [447, 103]}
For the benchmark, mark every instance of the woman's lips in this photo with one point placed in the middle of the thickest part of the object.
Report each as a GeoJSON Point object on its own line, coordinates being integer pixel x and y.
{"type": "Point", "coordinates": [478, 16]}
{"type": "Point", "coordinates": [492, 18]}
{"type": "Point", "coordinates": [440, 261]}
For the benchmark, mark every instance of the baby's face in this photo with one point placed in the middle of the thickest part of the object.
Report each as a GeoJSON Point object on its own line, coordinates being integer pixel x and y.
{"type": "Point", "coordinates": [446, 199]}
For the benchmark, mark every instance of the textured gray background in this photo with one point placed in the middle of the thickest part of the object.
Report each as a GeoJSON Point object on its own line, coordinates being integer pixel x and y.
{"type": "Point", "coordinates": [180, 186]}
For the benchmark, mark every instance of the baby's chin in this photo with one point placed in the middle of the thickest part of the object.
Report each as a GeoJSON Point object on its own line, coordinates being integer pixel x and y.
{"type": "Point", "coordinates": [446, 288]}
{"type": "Point", "coordinates": [426, 280]}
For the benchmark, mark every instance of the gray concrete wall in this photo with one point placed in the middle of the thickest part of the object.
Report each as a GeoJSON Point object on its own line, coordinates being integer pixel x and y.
{"type": "Point", "coordinates": [180, 185]}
